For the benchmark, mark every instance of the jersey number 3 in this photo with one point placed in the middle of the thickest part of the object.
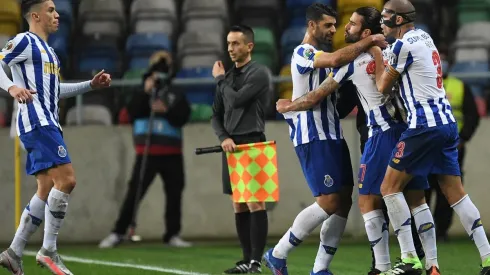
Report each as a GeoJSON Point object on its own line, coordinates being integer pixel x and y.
{"type": "Point", "coordinates": [437, 62]}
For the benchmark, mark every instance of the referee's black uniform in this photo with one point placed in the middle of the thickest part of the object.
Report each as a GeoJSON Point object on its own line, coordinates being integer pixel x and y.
{"type": "Point", "coordinates": [242, 96]}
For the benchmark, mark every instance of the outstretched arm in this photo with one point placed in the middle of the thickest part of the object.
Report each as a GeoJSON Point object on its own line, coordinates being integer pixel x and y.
{"type": "Point", "coordinates": [399, 61]}
{"type": "Point", "coordinates": [349, 53]}
{"type": "Point", "coordinates": [100, 80]}
{"type": "Point", "coordinates": [312, 98]}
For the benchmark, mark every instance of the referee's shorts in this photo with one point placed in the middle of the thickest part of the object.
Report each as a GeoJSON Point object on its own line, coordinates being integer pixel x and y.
{"type": "Point", "coordinates": [238, 139]}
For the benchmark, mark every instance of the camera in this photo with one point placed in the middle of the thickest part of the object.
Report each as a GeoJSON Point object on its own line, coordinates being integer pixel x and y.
{"type": "Point", "coordinates": [160, 69]}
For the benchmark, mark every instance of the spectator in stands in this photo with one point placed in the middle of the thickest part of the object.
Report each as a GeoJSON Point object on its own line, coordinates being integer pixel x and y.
{"type": "Point", "coordinates": [466, 114]}
{"type": "Point", "coordinates": [164, 154]}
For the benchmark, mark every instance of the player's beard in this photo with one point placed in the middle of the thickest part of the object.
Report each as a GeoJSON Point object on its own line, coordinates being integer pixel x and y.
{"type": "Point", "coordinates": [352, 38]}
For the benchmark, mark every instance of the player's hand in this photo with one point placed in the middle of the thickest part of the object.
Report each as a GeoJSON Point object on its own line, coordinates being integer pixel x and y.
{"type": "Point", "coordinates": [218, 69]}
{"type": "Point", "coordinates": [282, 105]}
{"type": "Point", "coordinates": [159, 106]}
{"type": "Point", "coordinates": [374, 50]}
{"type": "Point", "coordinates": [379, 40]}
{"type": "Point", "coordinates": [228, 145]}
{"type": "Point", "coordinates": [101, 80]}
{"type": "Point", "coordinates": [21, 95]}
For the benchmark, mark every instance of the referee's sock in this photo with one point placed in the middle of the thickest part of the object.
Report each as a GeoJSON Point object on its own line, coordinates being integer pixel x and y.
{"type": "Point", "coordinates": [242, 223]}
{"type": "Point", "coordinates": [258, 233]}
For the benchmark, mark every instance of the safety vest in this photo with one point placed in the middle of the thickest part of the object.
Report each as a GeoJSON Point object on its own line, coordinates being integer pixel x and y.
{"type": "Point", "coordinates": [455, 94]}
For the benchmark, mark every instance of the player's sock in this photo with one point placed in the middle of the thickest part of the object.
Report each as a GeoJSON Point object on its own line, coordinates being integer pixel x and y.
{"type": "Point", "coordinates": [401, 220]}
{"type": "Point", "coordinates": [427, 233]}
{"type": "Point", "coordinates": [242, 223]}
{"type": "Point", "coordinates": [378, 235]}
{"type": "Point", "coordinates": [30, 220]}
{"type": "Point", "coordinates": [331, 233]}
{"type": "Point", "coordinates": [306, 221]}
{"type": "Point", "coordinates": [470, 218]}
{"type": "Point", "coordinates": [258, 233]}
{"type": "Point", "coordinates": [55, 214]}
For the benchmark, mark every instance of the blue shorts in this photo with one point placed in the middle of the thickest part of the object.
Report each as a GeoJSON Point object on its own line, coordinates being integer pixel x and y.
{"type": "Point", "coordinates": [45, 148]}
{"type": "Point", "coordinates": [375, 160]}
{"type": "Point", "coordinates": [326, 165]}
{"type": "Point", "coordinates": [424, 151]}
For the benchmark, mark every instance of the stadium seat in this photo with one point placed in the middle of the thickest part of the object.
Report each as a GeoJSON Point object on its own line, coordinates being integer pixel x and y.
{"type": "Point", "coordinates": [10, 18]}
{"type": "Point", "coordinates": [210, 24]}
{"type": "Point", "coordinates": [65, 10]}
{"type": "Point", "coordinates": [95, 53]}
{"type": "Point", "coordinates": [91, 115]}
{"type": "Point", "coordinates": [297, 10]}
{"type": "Point", "coordinates": [349, 6]}
{"type": "Point", "coordinates": [473, 11]}
{"type": "Point", "coordinates": [201, 112]}
{"type": "Point", "coordinates": [265, 49]}
{"type": "Point", "coordinates": [199, 93]}
{"type": "Point", "coordinates": [472, 67]}
{"type": "Point", "coordinates": [134, 74]}
{"type": "Point", "coordinates": [147, 43]}
{"type": "Point", "coordinates": [259, 13]}
{"type": "Point", "coordinates": [290, 39]}
{"type": "Point", "coordinates": [105, 17]}
{"type": "Point", "coordinates": [287, 58]}
{"type": "Point", "coordinates": [193, 9]}
{"type": "Point", "coordinates": [474, 31]}
{"type": "Point", "coordinates": [196, 49]}
{"type": "Point", "coordinates": [153, 16]}
{"type": "Point", "coordinates": [60, 45]}
{"type": "Point", "coordinates": [286, 88]}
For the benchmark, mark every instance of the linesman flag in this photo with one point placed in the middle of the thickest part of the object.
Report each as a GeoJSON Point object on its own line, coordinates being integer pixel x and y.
{"type": "Point", "coordinates": [253, 172]}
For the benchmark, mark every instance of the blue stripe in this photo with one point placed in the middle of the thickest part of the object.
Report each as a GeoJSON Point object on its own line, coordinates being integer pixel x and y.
{"type": "Point", "coordinates": [20, 48]}
{"type": "Point", "coordinates": [336, 115]}
{"type": "Point", "coordinates": [372, 119]}
{"type": "Point", "coordinates": [396, 50]}
{"type": "Point", "coordinates": [444, 110]}
{"type": "Point", "coordinates": [386, 115]}
{"type": "Point", "coordinates": [310, 119]}
{"type": "Point", "coordinates": [420, 115]}
{"type": "Point", "coordinates": [350, 71]}
{"type": "Point", "coordinates": [435, 111]}
{"type": "Point", "coordinates": [31, 111]}
{"type": "Point", "coordinates": [418, 110]}
{"type": "Point", "coordinates": [299, 135]}
{"type": "Point", "coordinates": [300, 51]}
{"type": "Point", "coordinates": [38, 75]}
{"type": "Point", "coordinates": [52, 80]}
{"type": "Point", "coordinates": [58, 91]}
{"type": "Point", "coordinates": [293, 128]}
{"type": "Point", "coordinates": [405, 100]}
{"type": "Point", "coordinates": [324, 117]}
{"type": "Point", "coordinates": [303, 70]}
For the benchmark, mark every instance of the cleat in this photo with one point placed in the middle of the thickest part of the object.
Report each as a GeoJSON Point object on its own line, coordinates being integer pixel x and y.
{"type": "Point", "coordinates": [255, 267]}
{"type": "Point", "coordinates": [240, 267]}
{"type": "Point", "coordinates": [277, 266]}
{"type": "Point", "coordinates": [177, 241]}
{"type": "Point", "coordinates": [433, 271]}
{"type": "Point", "coordinates": [52, 261]}
{"type": "Point", "coordinates": [485, 267]}
{"type": "Point", "coordinates": [321, 272]}
{"type": "Point", "coordinates": [374, 271]}
{"type": "Point", "coordinates": [407, 266]}
{"type": "Point", "coordinates": [111, 241]}
{"type": "Point", "coordinates": [12, 262]}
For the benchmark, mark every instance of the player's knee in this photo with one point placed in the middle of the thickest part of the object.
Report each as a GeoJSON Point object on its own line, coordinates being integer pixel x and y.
{"type": "Point", "coordinates": [256, 206]}
{"type": "Point", "coordinates": [329, 203]}
{"type": "Point", "coordinates": [67, 184]}
{"type": "Point", "coordinates": [240, 207]}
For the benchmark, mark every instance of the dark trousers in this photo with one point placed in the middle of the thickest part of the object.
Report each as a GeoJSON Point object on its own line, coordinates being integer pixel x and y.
{"type": "Point", "coordinates": [171, 170]}
{"type": "Point", "coordinates": [443, 213]}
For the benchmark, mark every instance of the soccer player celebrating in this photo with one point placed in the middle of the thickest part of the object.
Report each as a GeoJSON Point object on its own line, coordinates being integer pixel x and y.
{"type": "Point", "coordinates": [429, 145]}
{"type": "Point", "coordinates": [36, 85]}
{"type": "Point", "coordinates": [318, 141]}
{"type": "Point", "coordinates": [385, 124]}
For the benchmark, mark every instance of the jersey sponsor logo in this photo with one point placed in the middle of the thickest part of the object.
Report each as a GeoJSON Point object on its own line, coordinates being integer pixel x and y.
{"type": "Point", "coordinates": [9, 46]}
{"type": "Point", "coordinates": [61, 151]}
{"type": "Point", "coordinates": [51, 68]}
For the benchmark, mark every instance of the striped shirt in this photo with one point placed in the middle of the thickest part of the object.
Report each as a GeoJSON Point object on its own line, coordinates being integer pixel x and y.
{"type": "Point", "coordinates": [417, 60]}
{"type": "Point", "coordinates": [322, 121]}
{"type": "Point", "coordinates": [382, 111]}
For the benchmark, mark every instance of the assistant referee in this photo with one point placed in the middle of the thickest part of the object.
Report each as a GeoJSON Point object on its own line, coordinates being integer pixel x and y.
{"type": "Point", "coordinates": [239, 108]}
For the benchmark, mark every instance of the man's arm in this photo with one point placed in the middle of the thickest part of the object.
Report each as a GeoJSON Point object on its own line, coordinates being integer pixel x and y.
{"type": "Point", "coordinates": [471, 117]}
{"type": "Point", "coordinates": [73, 89]}
{"type": "Point", "coordinates": [15, 51]}
{"type": "Point", "coordinates": [217, 118]}
{"type": "Point", "coordinates": [399, 62]}
{"type": "Point", "coordinates": [347, 54]}
{"type": "Point", "coordinates": [347, 100]}
{"type": "Point", "coordinates": [314, 97]}
{"type": "Point", "coordinates": [257, 82]}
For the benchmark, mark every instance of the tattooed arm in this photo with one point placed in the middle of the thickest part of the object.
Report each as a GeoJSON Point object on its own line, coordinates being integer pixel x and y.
{"type": "Point", "coordinates": [347, 54]}
{"type": "Point", "coordinates": [310, 99]}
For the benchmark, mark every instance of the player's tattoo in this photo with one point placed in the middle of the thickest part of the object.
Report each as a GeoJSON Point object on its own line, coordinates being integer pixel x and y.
{"type": "Point", "coordinates": [312, 98]}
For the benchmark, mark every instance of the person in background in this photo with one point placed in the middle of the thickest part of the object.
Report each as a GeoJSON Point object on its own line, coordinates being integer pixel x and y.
{"type": "Point", "coordinates": [165, 156]}
{"type": "Point", "coordinates": [466, 114]}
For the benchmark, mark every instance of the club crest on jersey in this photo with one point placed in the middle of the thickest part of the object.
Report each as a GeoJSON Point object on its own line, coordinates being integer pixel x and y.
{"type": "Point", "coordinates": [328, 181]}
{"type": "Point", "coordinates": [9, 46]}
{"type": "Point", "coordinates": [61, 151]}
{"type": "Point", "coordinates": [307, 53]}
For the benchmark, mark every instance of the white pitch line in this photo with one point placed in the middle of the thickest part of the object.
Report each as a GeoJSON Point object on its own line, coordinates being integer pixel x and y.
{"type": "Point", "coordinates": [119, 264]}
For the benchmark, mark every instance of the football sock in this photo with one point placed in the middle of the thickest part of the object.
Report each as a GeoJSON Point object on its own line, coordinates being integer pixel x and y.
{"type": "Point", "coordinates": [427, 233]}
{"type": "Point", "coordinates": [258, 233]}
{"type": "Point", "coordinates": [401, 220]}
{"type": "Point", "coordinates": [378, 235]}
{"type": "Point", "coordinates": [330, 234]}
{"type": "Point", "coordinates": [30, 220]}
{"type": "Point", "coordinates": [242, 223]}
{"type": "Point", "coordinates": [54, 214]}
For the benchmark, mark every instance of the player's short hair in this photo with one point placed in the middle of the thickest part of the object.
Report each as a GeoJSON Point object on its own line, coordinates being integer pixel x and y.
{"type": "Point", "coordinates": [316, 11]}
{"type": "Point", "coordinates": [247, 32]}
{"type": "Point", "coordinates": [371, 18]}
{"type": "Point", "coordinates": [26, 5]}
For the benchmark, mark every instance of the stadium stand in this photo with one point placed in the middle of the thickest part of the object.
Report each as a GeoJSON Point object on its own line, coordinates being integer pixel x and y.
{"type": "Point", "coordinates": [120, 35]}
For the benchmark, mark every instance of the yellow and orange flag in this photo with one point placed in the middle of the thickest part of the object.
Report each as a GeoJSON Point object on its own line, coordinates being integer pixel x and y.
{"type": "Point", "coordinates": [253, 172]}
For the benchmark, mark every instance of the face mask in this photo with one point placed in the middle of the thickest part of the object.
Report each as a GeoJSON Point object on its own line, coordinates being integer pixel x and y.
{"type": "Point", "coordinates": [444, 67]}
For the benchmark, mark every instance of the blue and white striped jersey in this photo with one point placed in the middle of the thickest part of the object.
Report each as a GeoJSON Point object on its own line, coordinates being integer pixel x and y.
{"type": "Point", "coordinates": [34, 66]}
{"type": "Point", "coordinates": [322, 121]}
{"type": "Point", "coordinates": [382, 111]}
{"type": "Point", "coordinates": [417, 60]}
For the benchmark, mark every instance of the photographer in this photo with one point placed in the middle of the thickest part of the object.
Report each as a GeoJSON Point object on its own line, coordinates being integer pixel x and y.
{"type": "Point", "coordinates": [170, 112]}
